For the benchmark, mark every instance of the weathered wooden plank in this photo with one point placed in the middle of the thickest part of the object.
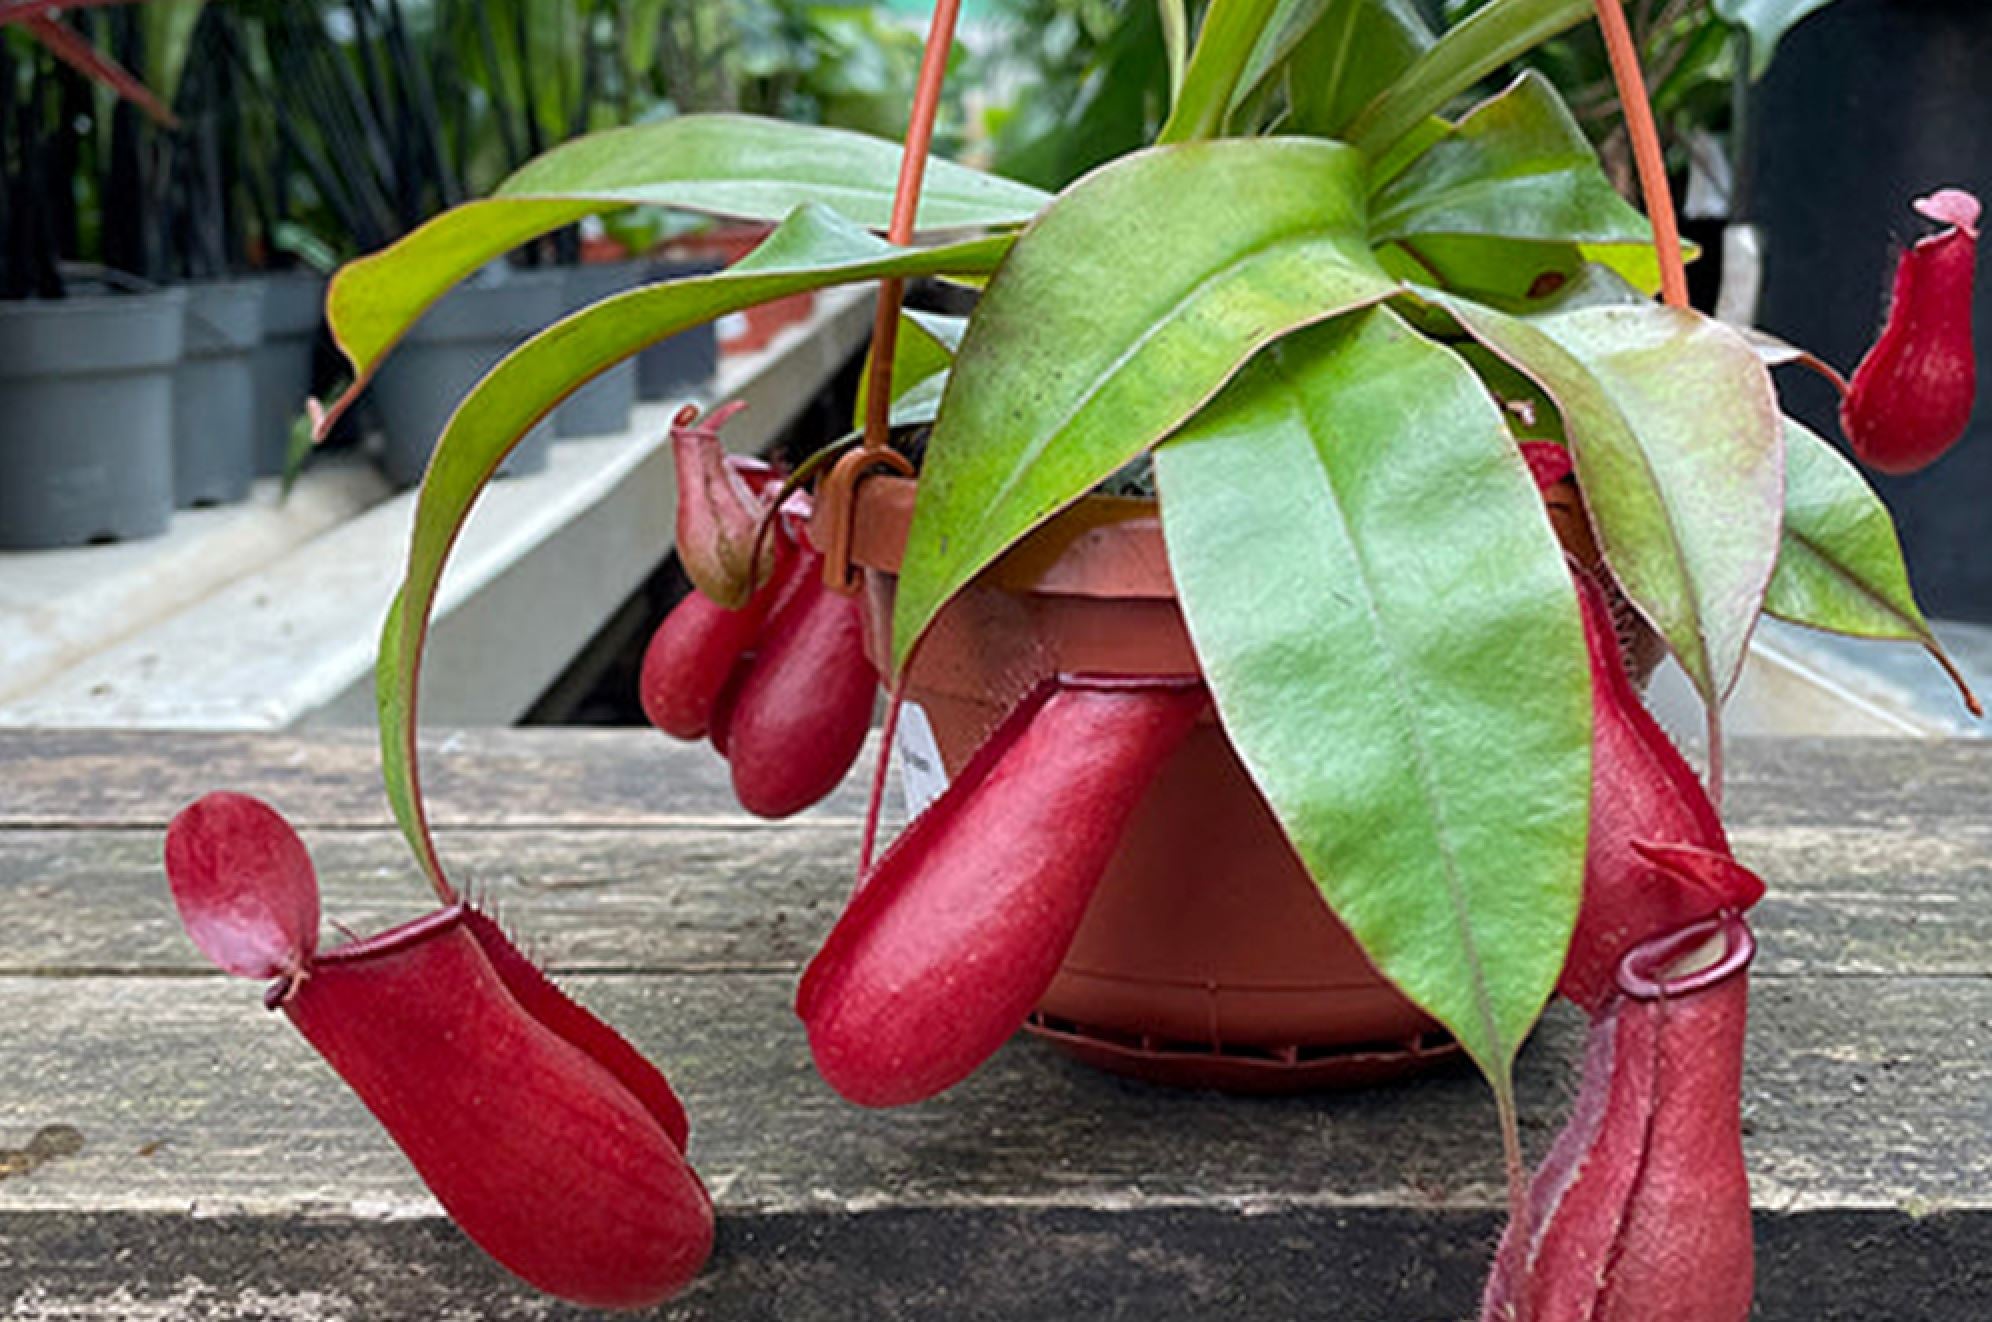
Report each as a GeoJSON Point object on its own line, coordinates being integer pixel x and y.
{"type": "Point", "coordinates": [1915, 784]}
{"type": "Point", "coordinates": [222, 1168]}
{"type": "Point", "coordinates": [484, 777]}
{"type": "Point", "coordinates": [223, 1173]}
{"type": "Point", "coordinates": [674, 898]}
{"type": "Point", "coordinates": [1861, 1093]}
{"type": "Point", "coordinates": [660, 899]}
{"type": "Point", "coordinates": [992, 1264]}
{"type": "Point", "coordinates": [547, 777]}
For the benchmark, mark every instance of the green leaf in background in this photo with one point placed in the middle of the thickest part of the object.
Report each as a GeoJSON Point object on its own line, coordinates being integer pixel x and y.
{"type": "Point", "coordinates": [813, 249]}
{"type": "Point", "coordinates": [1687, 500]}
{"type": "Point", "coordinates": [1175, 18]}
{"type": "Point", "coordinates": [1386, 623]}
{"type": "Point", "coordinates": [733, 165]}
{"type": "Point", "coordinates": [1766, 21]}
{"type": "Point", "coordinates": [1230, 33]}
{"type": "Point", "coordinates": [1516, 166]}
{"type": "Point", "coordinates": [1840, 564]}
{"type": "Point", "coordinates": [1101, 334]}
{"type": "Point", "coordinates": [925, 346]}
{"type": "Point", "coordinates": [167, 28]}
{"type": "Point", "coordinates": [743, 165]}
{"type": "Point", "coordinates": [1091, 108]}
{"type": "Point", "coordinates": [1462, 57]}
{"type": "Point", "coordinates": [1355, 50]}
{"type": "Point", "coordinates": [1290, 22]}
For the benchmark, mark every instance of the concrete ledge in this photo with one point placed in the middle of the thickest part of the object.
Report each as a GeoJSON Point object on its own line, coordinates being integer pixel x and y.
{"type": "Point", "coordinates": [265, 635]}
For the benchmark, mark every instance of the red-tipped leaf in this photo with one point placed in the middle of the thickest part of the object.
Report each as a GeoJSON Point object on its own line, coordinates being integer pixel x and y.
{"type": "Point", "coordinates": [957, 932]}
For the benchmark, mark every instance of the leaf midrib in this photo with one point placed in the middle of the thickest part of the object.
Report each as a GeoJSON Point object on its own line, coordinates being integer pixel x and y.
{"type": "Point", "coordinates": [1403, 703]}
{"type": "Point", "coordinates": [1861, 589]}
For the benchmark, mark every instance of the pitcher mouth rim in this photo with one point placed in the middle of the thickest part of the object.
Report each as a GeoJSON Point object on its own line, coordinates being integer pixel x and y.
{"type": "Point", "coordinates": [1642, 973]}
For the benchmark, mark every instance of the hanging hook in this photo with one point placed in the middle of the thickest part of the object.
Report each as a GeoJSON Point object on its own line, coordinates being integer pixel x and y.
{"type": "Point", "coordinates": [836, 497]}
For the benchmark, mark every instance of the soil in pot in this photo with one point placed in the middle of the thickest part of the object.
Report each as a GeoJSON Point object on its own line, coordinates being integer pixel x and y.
{"type": "Point", "coordinates": [677, 366]}
{"type": "Point", "coordinates": [446, 353]}
{"type": "Point", "coordinates": [293, 309]}
{"type": "Point", "coordinates": [214, 394]}
{"type": "Point", "coordinates": [1207, 957]}
{"type": "Point", "coordinates": [600, 408]}
{"type": "Point", "coordinates": [86, 395]}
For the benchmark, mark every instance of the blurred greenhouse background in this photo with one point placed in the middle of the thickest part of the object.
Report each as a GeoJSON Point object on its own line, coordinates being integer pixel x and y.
{"type": "Point", "coordinates": [295, 135]}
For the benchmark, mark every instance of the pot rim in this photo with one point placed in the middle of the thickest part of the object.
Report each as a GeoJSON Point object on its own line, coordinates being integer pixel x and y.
{"type": "Point", "coordinates": [1101, 546]}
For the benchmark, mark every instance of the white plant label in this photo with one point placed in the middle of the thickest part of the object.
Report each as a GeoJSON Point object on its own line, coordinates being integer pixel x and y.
{"type": "Point", "coordinates": [922, 774]}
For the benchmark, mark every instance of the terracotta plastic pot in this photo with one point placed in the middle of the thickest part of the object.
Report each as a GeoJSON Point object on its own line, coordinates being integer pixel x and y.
{"type": "Point", "coordinates": [1207, 958]}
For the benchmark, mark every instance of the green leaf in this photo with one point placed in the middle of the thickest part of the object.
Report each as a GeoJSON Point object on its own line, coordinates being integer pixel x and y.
{"type": "Point", "coordinates": [1353, 52]}
{"type": "Point", "coordinates": [1840, 565]}
{"type": "Point", "coordinates": [1101, 334]}
{"type": "Point", "coordinates": [1675, 432]}
{"type": "Point", "coordinates": [1766, 21]}
{"type": "Point", "coordinates": [1288, 26]}
{"type": "Point", "coordinates": [1230, 33]}
{"type": "Point", "coordinates": [733, 165]}
{"type": "Point", "coordinates": [1516, 275]}
{"type": "Point", "coordinates": [1462, 57]}
{"type": "Point", "coordinates": [812, 250]}
{"type": "Point", "coordinates": [1515, 167]}
{"type": "Point", "coordinates": [762, 169]}
{"type": "Point", "coordinates": [1384, 618]}
{"type": "Point", "coordinates": [1175, 16]}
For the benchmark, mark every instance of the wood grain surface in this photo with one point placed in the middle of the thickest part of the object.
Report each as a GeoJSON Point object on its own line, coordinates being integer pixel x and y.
{"type": "Point", "coordinates": [168, 1149]}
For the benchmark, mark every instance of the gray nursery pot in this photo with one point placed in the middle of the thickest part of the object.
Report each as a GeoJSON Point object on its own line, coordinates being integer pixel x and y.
{"type": "Point", "coordinates": [293, 308]}
{"type": "Point", "coordinates": [86, 417]}
{"type": "Point", "coordinates": [680, 365]}
{"type": "Point", "coordinates": [449, 351]}
{"type": "Point", "coordinates": [214, 394]}
{"type": "Point", "coordinates": [600, 408]}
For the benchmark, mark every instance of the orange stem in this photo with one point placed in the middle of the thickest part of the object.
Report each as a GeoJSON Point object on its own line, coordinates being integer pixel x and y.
{"type": "Point", "coordinates": [1646, 154]}
{"type": "Point", "coordinates": [905, 207]}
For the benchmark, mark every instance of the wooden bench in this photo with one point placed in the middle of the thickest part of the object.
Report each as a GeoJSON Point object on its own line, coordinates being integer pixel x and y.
{"type": "Point", "coordinates": [172, 1151]}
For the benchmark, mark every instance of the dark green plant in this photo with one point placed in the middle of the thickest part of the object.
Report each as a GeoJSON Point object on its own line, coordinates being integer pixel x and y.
{"type": "Point", "coordinates": [1093, 84]}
